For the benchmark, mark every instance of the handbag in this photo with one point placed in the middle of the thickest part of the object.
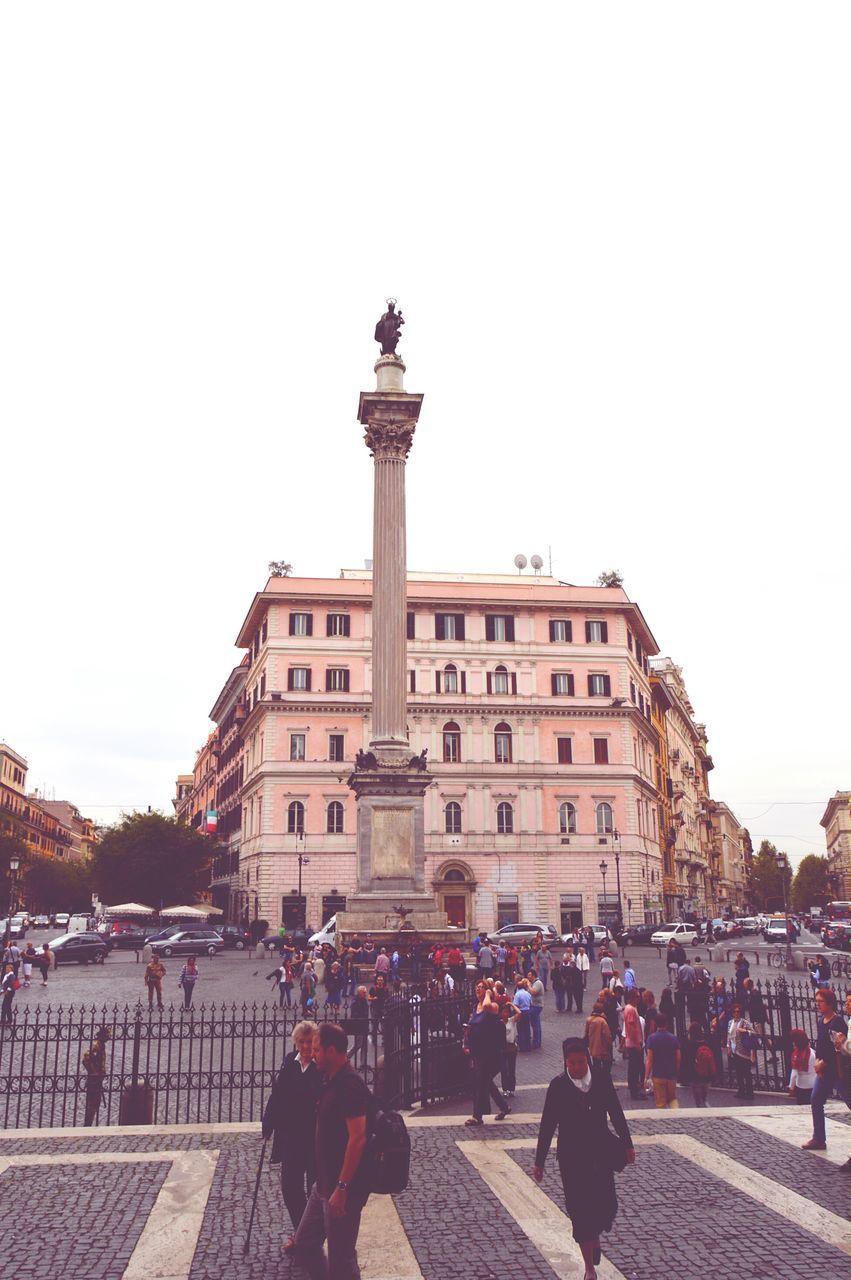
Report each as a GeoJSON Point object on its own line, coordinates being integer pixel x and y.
{"type": "Point", "coordinates": [614, 1152]}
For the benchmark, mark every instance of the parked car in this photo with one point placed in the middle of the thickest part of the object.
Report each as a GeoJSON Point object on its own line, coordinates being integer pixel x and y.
{"type": "Point", "coordinates": [79, 948]}
{"type": "Point", "coordinates": [234, 937]}
{"type": "Point", "coordinates": [161, 934]}
{"type": "Point", "coordinates": [837, 934]}
{"type": "Point", "coordinates": [519, 933]}
{"type": "Point", "coordinates": [328, 933]}
{"type": "Point", "coordinates": [775, 931]}
{"type": "Point", "coordinates": [299, 938]}
{"type": "Point", "coordinates": [636, 934]}
{"type": "Point", "coordinates": [189, 942]}
{"type": "Point", "coordinates": [683, 933]}
{"type": "Point", "coordinates": [127, 940]}
{"type": "Point", "coordinates": [10, 928]}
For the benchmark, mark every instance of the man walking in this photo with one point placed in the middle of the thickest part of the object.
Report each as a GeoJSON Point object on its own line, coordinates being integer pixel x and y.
{"type": "Point", "coordinates": [536, 991]}
{"type": "Point", "coordinates": [333, 1211]}
{"type": "Point", "coordinates": [663, 1064]}
{"type": "Point", "coordinates": [633, 1044]}
{"type": "Point", "coordinates": [154, 974]}
{"type": "Point", "coordinates": [8, 988]}
{"type": "Point", "coordinates": [94, 1065]}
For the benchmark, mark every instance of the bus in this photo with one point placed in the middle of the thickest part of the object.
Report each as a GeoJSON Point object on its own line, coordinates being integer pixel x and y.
{"type": "Point", "coordinates": [838, 911]}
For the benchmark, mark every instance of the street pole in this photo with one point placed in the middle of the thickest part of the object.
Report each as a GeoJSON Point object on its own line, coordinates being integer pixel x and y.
{"type": "Point", "coordinates": [302, 862]}
{"type": "Point", "coordinates": [783, 863]}
{"type": "Point", "coordinates": [14, 863]}
{"type": "Point", "coordinates": [617, 843]}
{"type": "Point", "coordinates": [604, 866]}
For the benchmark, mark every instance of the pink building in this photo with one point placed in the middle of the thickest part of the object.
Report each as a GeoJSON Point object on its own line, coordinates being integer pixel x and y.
{"type": "Point", "coordinates": [533, 701]}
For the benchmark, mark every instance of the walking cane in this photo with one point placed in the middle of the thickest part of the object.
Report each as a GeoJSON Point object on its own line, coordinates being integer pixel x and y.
{"type": "Point", "coordinates": [254, 1201]}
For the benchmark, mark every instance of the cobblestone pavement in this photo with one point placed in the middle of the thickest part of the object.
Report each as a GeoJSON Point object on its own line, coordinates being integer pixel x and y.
{"type": "Point", "coordinates": [173, 1203]}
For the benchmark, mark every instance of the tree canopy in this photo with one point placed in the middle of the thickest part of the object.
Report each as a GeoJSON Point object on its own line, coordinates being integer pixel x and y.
{"type": "Point", "coordinates": [151, 859]}
{"type": "Point", "coordinates": [610, 578]}
{"type": "Point", "coordinates": [767, 878]}
{"type": "Point", "coordinates": [811, 887]}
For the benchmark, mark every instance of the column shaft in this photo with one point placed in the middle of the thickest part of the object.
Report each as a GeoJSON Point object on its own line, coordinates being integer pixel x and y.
{"type": "Point", "coordinates": [389, 603]}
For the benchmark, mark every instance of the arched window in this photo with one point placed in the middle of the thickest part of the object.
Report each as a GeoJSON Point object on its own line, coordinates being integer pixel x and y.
{"type": "Point", "coordinates": [455, 876]}
{"type": "Point", "coordinates": [502, 743]}
{"type": "Point", "coordinates": [450, 678]}
{"type": "Point", "coordinates": [451, 742]}
{"type": "Point", "coordinates": [334, 818]}
{"type": "Point", "coordinates": [452, 818]}
{"type": "Point", "coordinates": [295, 818]}
{"type": "Point", "coordinates": [500, 679]}
{"type": "Point", "coordinates": [604, 819]}
{"type": "Point", "coordinates": [567, 818]}
{"type": "Point", "coordinates": [504, 818]}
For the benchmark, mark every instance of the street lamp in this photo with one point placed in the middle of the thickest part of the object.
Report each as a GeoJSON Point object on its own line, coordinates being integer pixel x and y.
{"type": "Point", "coordinates": [783, 864]}
{"type": "Point", "coordinates": [302, 862]}
{"type": "Point", "coordinates": [616, 838]}
{"type": "Point", "coordinates": [14, 863]}
{"type": "Point", "coordinates": [604, 866]}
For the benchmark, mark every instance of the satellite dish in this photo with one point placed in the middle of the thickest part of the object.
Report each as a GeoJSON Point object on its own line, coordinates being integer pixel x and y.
{"type": "Point", "coordinates": [537, 563]}
{"type": "Point", "coordinates": [520, 562]}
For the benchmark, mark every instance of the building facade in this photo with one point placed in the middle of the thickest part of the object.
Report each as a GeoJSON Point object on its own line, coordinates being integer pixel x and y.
{"type": "Point", "coordinates": [730, 853]}
{"type": "Point", "coordinates": [82, 829]}
{"type": "Point", "coordinates": [26, 816]}
{"type": "Point", "coordinates": [836, 821]}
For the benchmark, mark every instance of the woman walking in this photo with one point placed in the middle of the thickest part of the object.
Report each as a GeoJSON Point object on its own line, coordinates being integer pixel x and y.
{"type": "Point", "coordinates": [290, 1116]}
{"type": "Point", "coordinates": [578, 1104]}
{"type": "Point", "coordinates": [486, 1045]}
{"type": "Point", "coordinates": [829, 1025]}
{"type": "Point", "coordinates": [28, 959]}
{"type": "Point", "coordinates": [741, 1051]}
{"type": "Point", "coordinates": [188, 978]}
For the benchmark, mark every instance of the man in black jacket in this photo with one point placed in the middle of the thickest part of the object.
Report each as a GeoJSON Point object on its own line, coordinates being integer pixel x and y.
{"type": "Point", "coordinates": [291, 1116]}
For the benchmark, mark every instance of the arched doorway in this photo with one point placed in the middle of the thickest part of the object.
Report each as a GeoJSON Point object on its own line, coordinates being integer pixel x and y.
{"type": "Point", "coordinates": [454, 886]}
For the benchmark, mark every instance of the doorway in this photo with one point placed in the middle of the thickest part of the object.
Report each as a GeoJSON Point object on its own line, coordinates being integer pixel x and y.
{"type": "Point", "coordinates": [455, 906]}
{"type": "Point", "coordinates": [454, 886]}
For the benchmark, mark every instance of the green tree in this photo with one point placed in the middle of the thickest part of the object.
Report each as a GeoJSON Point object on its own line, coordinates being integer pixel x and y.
{"type": "Point", "coordinates": [767, 878]}
{"type": "Point", "coordinates": [279, 569]}
{"type": "Point", "coordinates": [51, 884]}
{"type": "Point", "coordinates": [610, 578]}
{"type": "Point", "coordinates": [151, 859]}
{"type": "Point", "coordinates": [811, 887]}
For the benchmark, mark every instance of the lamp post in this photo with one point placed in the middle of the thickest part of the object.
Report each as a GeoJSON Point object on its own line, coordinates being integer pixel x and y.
{"type": "Point", "coordinates": [604, 866]}
{"type": "Point", "coordinates": [14, 863]}
{"type": "Point", "coordinates": [302, 862]}
{"type": "Point", "coordinates": [616, 838]}
{"type": "Point", "coordinates": [783, 864]}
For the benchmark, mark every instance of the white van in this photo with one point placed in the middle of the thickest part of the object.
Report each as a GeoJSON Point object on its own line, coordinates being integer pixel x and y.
{"type": "Point", "coordinates": [328, 933]}
{"type": "Point", "coordinates": [81, 924]}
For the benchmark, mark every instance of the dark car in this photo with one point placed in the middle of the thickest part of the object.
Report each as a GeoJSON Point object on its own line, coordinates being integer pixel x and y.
{"type": "Point", "coordinates": [637, 934]}
{"type": "Point", "coordinates": [187, 942]}
{"type": "Point", "coordinates": [79, 948]}
{"type": "Point", "coordinates": [127, 940]}
{"type": "Point", "coordinates": [162, 934]}
{"type": "Point", "coordinates": [299, 938]}
{"type": "Point", "coordinates": [837, 934]}
{"type": "Point", "coordinates": [234, 937]}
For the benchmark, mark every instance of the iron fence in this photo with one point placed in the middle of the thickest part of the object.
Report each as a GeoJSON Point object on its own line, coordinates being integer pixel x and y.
{"type": "Point", "coordinates": [423, 1047]}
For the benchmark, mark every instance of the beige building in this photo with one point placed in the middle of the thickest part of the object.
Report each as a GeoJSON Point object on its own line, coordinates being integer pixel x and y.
{"type": "Point", "coordinates": [836, 821]}
{"type": "Point", "coordinates": [730, 855]}
{"type": "Point", "coordinates": [26, 816]}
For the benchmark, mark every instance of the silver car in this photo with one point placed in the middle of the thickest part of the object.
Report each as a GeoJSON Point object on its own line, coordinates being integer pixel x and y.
{"type": "Point", "coordinates": [190, 942]}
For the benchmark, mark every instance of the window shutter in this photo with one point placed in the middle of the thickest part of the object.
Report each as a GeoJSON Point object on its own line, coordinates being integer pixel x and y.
{"type": "Point", "coordinates": [459, 626]}
{"type": "Point", "coordinates": [489, 683]}
{"type": "Point", "coordinates": [587, 632]}
{"type": "Point", "coordinates": [509, 628]}
{"type": "Point", "coordinates": [292, 624]}
{"type": "Point", "coordinates": [607, 686]}
{"type": "Point", "coordinates": [412, 681]}
{"type": "Point", "coordinates": [553, 683]}
{"type": "Point", "coordinates": [463, 681]}
{"type": "Point", "coordinates": [310, 624]}
{"type": "Point", "coordinates": [347, 625]}
{"type": "Point", "coordinates": [290, 679]}
{"type": "Point", "coordinates": [345, 682]}
{"type": "Point", "coordinates": [411, 625]}
{"type": "Point", "coordinates": [568, 630]}
{"type": "Point", "coordinates": [329, 624]}
{"type": "Point", "coordinates": [514, 682]}
{"type": "Point", "coordinates": [604, 632]}
{"type": "Point", "coordinates": [439, 628]}
{"type": "Point", "coordinates": [590, 687]}
{"type": "Point", "coordinates": [307, 677]}
{"type": "Point", "coordinates": [570, 686]}
{"type": "Point", "coordinates": [437, 682]}
{"type": "Point", "coordinates": [552, 633]}
{"type": "Point", "coordinates": [489, 629]}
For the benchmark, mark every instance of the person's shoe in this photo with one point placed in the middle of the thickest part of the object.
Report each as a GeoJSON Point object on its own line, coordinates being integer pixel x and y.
{"type": "Point", "coordinates": [473, 1120]}
{"type": "Point", "coordinates": [812, 1145]}
{"type": "Point", "coordinates": [500, 1115]}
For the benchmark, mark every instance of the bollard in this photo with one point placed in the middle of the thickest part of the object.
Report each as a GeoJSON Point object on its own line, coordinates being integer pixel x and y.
{"type": "Point", "coordinates": [147, 953]}
{"type": "Point", "coordinates": [259, 951]}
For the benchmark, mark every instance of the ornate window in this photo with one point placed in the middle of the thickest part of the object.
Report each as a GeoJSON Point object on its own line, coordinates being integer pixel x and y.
{"type": "Point", "coordinates": [502, 743]}
{"type": "Point", "coordinates": [295, 818]}
{"type": "Point", "coordinates": [451, 742]}
{"type": "Point", "coordinates": [504, 818]}
{"type": "Point", "coordinates": [334, 818]}
{"type": "Point", "coordinates": [567, 818]}
{"type": "Point", "coordinates": [450, 678]}
{"type": "Point", "coordinates": [604, 819]}
{"type": "Point", "coordinates": [452, 819]}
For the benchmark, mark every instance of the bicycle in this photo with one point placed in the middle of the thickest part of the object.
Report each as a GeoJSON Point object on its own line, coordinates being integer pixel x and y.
{"type": "Point", "coordinates": [841, 967]}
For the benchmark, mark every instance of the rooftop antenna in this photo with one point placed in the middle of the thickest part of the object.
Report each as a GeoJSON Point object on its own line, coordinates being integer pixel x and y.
{"type": "Point", "coordinates": [537, 564]}
{"type": "Point", "coordinates": [520, 562]}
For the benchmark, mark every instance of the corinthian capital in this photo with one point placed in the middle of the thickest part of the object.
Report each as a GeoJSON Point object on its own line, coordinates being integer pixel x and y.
{"type": "Point", "coordinates": [389, 439]}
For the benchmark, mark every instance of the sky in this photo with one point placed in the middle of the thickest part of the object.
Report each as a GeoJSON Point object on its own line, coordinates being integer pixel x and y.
{"type": "Point", "coordinates": [619, 237]}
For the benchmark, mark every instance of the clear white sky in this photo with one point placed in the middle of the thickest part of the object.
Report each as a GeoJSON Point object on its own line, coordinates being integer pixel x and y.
{"type": "Point", "coordinates": [620, 236]}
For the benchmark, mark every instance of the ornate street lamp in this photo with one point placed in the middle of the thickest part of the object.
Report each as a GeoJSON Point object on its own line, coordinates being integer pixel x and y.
{"type": "Point", "coordinates": [783, 864]}
{"type": "Point", "coordinates": [14, 863]}
{"type": "Point", "coordinates": [302, 862]}
{"type": "Point", "coordinates": [604, 866]}
{"type": "Point", "coordinates": [616, 838]}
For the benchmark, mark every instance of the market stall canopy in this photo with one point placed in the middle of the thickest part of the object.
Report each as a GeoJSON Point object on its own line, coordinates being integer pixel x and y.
{"type": "Point", "coordinates": [191, 913]}
{"type": "Point", "coordinates": [130, 909]}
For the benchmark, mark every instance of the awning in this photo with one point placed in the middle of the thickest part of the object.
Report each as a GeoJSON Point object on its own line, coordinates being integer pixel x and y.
{"type": "Point", "coordinates": [192, 913]}
{"type": "Point", "coordinates": [130, 909]}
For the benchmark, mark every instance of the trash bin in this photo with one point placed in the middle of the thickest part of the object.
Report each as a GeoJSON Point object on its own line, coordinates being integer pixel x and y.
{"type": "Point", "coordinates": [137, 1103]}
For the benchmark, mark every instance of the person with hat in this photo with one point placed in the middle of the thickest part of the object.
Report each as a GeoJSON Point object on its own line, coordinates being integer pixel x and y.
{"type": "Point", "coordinates": [579, 1104]}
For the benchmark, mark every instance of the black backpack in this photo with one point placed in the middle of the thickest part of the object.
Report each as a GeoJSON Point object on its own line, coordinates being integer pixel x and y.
{"type": "Point", "coordinates": [388, 1154]}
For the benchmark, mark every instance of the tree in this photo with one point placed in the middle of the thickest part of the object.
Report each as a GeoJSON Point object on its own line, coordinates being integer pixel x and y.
{"type": "Point", "coordinates": [151, 859]}
{"type": "Point", "coordinates": [610, 578]}
{"type": "Point", "coordinates": [279, 569]}
{"type": "Point", "coordinates": [811, 886]}
{"type": "Point", "coordinates": [12, 847]}
{"type": "Point", "coordinates": [51, 885]}
{"type": "Point", "coordinates": [767, 879]}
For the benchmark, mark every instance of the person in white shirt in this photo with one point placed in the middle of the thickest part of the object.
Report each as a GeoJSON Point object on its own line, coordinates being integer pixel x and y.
{"type": "Point", "coordinates": [803, 1074]}
{"type": "Point", "coordinates": [583, 963]}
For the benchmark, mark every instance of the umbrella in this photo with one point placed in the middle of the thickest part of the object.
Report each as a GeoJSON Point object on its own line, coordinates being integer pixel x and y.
{"type": "Point", "coordinates": [130, 909]}
{"type": "Point", "coordinates": [191, 913]}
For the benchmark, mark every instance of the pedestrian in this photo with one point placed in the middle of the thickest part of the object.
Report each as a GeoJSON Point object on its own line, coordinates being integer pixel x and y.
{"type": "Point", "coordinates": [350, 975]}
{"type": "Point", "coordinates": [633, 1039]}
{"type": "Point", "coordinates": [12, 955]}
{"type": "Point", "coordinates": [396, 966]}
{"type": "Point", "coordinates": [94, 1065]}
{"type": "Point", "coordinates": [28, 959]}
{"type": "Point", "coordinates": [672, 962]}
{"type": "Point", "coordinates": [511, 961]}
{"type": "Point", "coordinates": [486, 1039]}
{"type": "Point", "coordinates": [307, 989]}
{"type": "Point", "coordinates": [741, 1050]}
{"type": "Point", "coordinates": [598, 1037]}
{"type": "Point", "coordinates": [44, 962]}
{"type": "Point", "coordinates": [579, 1104]}
{"type": "Point", "coordinates": [698, 999]}
{"type": "Point", "coordinates": [486, 960]}
{"type": "Point", "coordinates": [663, 1065]}
{"type": "Point", "coordinates": [382, 964]}
{"type": "Point", "coordinates": [544, 964]}
{"type": "Point", "coordinates": [698, 1063]}
{"type": "Point", "coordinates": [742, 970]}
{"type": "Point", "coordinates": [629, 980]}
{"type": "Point", "coordinates": [359, 1017]}
{"type": "Point", "coordinates": [583, 964]}
{"type": "Point", "coordinates": [377, 1001]}
{"type": "Point", "coordinates": [188, 978]}
{"type": "Point", "coordinates": [8, 987]}
{"type": "Point", "coordinates": [457, 966]}
{"type": "Point", "coordinates": [523, 1002]}
{"type": "Point", "coordinates": [290, 1121]}
{"type": "Point", "coordinates": [283, 980]}
{"type": "Point", "coordinates": [559, 987]}
{"type": "Point", "coordinates": [590, 944]}
{"type": "Point", "coordinates": [754, 1007]}
{"type": "Point", "coordinates": [510, 1015]}
{"type": "Point", "coordinates": [334, 985]}
{"type": "Point", "coordinates": [501, 961]}
{"type": "Point", "coordinates": [607, 967]}
{"type": "Point", "coordinates": [802, 1077]}
{"type": "Point", "coordinates": [153, 979]}
{"type": "Point", "coordinates": [574, 984]}
{"type": "Point", "coordinates": [335, 1204]}
{"type": "Point", "coordinates": [829, 1025]}
{"type": "Point", "coordinates": [668, 1008]}
{"type": "Point", "coordinates": [536, 991]}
